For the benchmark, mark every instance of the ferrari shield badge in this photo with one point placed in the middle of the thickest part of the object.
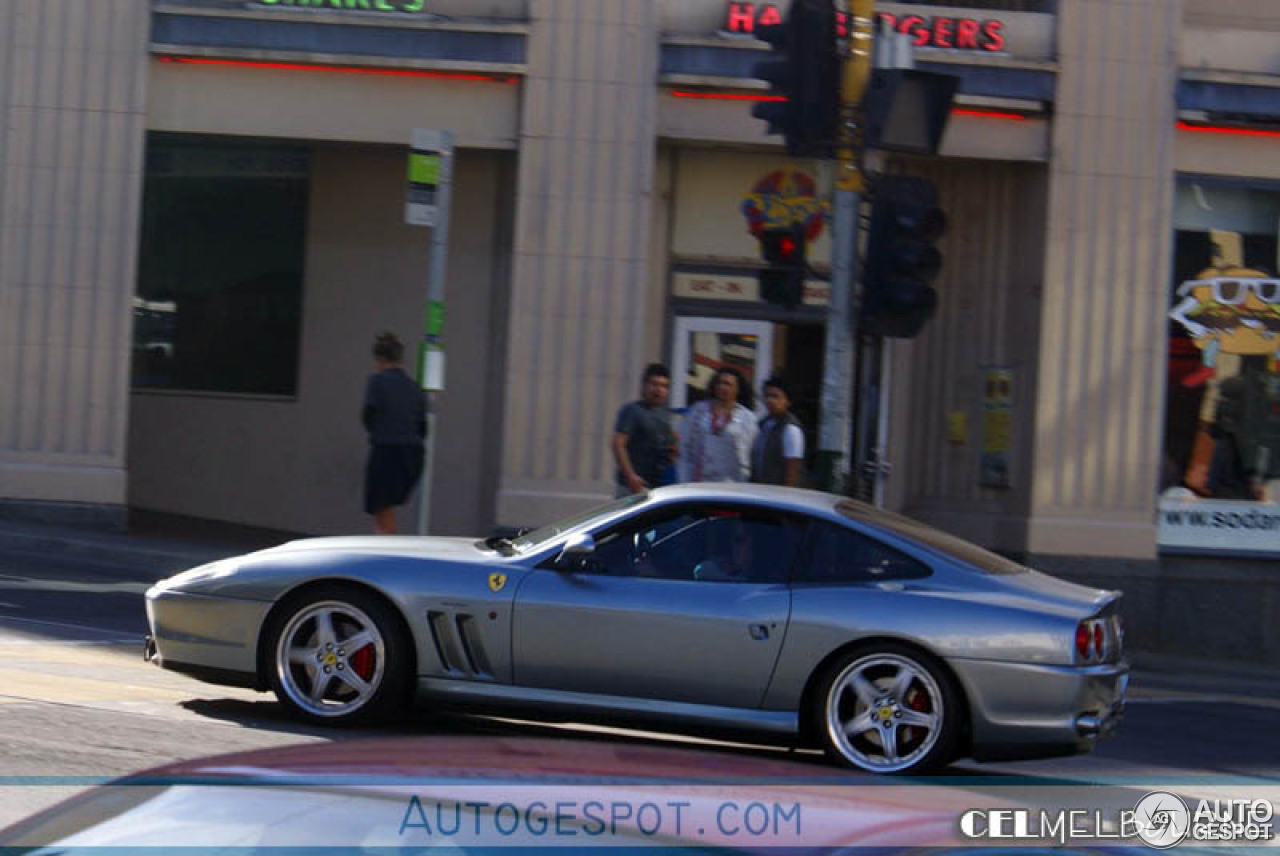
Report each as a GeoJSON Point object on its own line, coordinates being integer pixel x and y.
{"type": "Point", "coordinates": [497, 581]}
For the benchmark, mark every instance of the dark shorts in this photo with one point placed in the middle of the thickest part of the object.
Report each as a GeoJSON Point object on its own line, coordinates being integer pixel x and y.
{"type": "Point", "coordinates": [390, 476]}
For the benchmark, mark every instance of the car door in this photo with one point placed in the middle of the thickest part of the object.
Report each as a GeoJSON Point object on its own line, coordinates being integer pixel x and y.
{"type": "Point", "coordinates": [687, 604]}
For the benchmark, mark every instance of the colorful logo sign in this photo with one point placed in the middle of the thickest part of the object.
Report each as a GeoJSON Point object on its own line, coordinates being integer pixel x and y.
{"type": "Point", "coordinates": [783, 197]}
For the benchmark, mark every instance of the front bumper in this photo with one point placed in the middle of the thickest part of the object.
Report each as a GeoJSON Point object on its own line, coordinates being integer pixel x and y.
{"type": "Point", "coordinates": [213, 638]}
{"type": "Point", "coordinates": [1025, 710]}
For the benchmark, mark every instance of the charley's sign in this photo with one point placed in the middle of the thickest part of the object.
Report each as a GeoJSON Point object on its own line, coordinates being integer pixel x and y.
{"type": "Point", "coordinates": [348, 5]}
{"type": "Point", "coordinates": [940, 31]}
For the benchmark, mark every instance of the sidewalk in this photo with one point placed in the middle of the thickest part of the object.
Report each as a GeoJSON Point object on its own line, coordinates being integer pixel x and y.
{"type": "Point", "coordinates": [155, 546]}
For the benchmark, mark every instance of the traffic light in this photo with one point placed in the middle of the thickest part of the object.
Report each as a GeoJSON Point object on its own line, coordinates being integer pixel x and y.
{"type": "Point", "coordinates": [806, 74]}
{"type": "Point", "coordinates": [906, 109]}
{"type": "Point", "coordinates": [784, 251]}
{"type": "Point", "coordinates": [901, 259]}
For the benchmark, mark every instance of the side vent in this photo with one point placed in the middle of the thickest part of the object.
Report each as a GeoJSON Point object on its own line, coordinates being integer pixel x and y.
{"type": "Point", "coordinates": [459, 644]}
{"type": "Point", "coordinates": [473, 646]}
{"type": "Point", "coordinates": [444, 640]}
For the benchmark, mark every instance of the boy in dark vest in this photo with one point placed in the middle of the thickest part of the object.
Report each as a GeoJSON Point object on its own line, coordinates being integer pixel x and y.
{"type": "Point", "coordinates": [779, 448]}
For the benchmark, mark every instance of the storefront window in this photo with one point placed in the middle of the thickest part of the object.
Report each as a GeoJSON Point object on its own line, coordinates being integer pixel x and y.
{"type": "Point", "coordinates": [1221, 479]}
{"type": "Point", "coordinates": [704, 346]}
{"type": "Point", "coordinates": [219, 302]}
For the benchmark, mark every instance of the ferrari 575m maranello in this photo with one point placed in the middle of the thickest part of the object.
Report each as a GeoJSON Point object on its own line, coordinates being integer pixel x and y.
{"type": "Point", "coordinates": [896, 647]}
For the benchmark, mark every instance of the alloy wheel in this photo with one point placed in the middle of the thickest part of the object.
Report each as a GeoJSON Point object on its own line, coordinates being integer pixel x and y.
{"type": "Point", "coordinates": [884, 713]}
{"type": "Point", "coordinates": [330, 659]}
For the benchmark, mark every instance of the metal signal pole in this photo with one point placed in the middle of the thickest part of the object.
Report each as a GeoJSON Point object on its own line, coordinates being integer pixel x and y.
{"type": "Point", "coordinates": [834, 437]}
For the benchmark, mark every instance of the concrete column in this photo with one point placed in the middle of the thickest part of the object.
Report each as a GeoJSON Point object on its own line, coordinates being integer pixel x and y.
{"type": "Point", "coordinates": [581, 276]}
{"type": "Point", "coordinates": [73, 105]}
{"type": "Point", "coordinates": [1100, 391]}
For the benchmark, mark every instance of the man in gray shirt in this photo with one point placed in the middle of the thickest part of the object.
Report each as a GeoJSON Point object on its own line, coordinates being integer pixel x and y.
{"type": "Point", "coordinates": [644, 441]}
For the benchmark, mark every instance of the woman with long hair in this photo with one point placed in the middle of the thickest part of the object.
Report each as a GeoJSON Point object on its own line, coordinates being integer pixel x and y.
{"type": "Point", "coordinates": [720, 432]}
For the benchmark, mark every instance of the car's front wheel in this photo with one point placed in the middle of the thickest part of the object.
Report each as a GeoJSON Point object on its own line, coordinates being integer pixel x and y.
{"type": "Point", "coordinates": [339, 655]}
{"type": "Point", "coordinates": [889, 709]}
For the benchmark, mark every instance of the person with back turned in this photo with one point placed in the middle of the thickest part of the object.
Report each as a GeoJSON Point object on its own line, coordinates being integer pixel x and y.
{"type": "Point", "coordinates": [395, 415]}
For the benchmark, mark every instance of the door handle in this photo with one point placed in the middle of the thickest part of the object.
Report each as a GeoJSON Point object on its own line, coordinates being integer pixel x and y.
{"type": "Point", "coordinates": [759, 632]}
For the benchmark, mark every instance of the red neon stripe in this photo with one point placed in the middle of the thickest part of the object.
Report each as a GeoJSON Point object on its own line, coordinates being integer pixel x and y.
{"type": "Point", "coordinates": [988, 114]}
{"type": "Point", "coordinates": [725, 96]}
{"type": "Point", "coordinates": [342, 69]}
{"type": "Point", "coordinates": [1238, 132]}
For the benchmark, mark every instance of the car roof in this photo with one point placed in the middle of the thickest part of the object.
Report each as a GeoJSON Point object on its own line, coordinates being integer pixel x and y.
{"type": "Point", "coordinates": [795, 499]}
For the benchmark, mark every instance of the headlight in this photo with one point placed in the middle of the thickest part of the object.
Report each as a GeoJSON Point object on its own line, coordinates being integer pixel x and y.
{"type": "Point", "coordinates": [195, 576]}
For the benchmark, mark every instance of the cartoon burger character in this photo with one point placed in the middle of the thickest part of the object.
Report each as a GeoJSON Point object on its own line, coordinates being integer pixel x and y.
{"type": "Point", "coordinates": [783, 197]}
{"type": "Point", "coordinates": [1231, 310]}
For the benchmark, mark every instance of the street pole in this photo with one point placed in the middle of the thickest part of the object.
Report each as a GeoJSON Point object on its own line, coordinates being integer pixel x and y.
{"type": "Point", "coordinates": [434, 151]}
{"type": "Point", "coordinates": [838, 360]}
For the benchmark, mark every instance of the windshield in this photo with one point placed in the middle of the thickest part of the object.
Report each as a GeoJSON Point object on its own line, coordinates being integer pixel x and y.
{"type": "Point", "coordinates": [539, 536]}
{"type": "Point", "coordinates": [914, 530]}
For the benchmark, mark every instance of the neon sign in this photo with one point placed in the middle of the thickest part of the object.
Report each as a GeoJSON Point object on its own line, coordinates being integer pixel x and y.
{"type": "Point", "coordinates": [948, 33]}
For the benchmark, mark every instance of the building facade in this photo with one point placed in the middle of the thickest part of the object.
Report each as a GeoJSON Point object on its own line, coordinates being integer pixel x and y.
{"type": "Point", "coordinates": [202, 229]}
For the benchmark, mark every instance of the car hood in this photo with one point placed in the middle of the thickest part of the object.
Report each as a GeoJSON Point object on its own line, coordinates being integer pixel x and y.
{"type": "Point", "coordinates": [265, 574]}
{"type": "Point", "coordinates": [398, 546]}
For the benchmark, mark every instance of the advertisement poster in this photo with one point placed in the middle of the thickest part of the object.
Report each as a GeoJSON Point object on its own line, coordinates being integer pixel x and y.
{"type": "Point", "coordinates": [1221, 466]}
{"type": "Point", "coordinates": [997, 441]}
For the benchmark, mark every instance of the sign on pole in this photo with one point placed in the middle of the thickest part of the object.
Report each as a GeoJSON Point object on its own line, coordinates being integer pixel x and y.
{"type": "Point", "coordinates": [430, 170]}
{"type": "Point", "coordinates": [431, 369]}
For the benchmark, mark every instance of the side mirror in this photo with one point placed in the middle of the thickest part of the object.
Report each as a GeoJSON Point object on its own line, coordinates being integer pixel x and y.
{"type": "Point", "coordinates": [576, 551]}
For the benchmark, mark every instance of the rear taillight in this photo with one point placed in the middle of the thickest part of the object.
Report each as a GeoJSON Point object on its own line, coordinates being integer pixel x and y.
{"type": "Point", "coordinates": [1098, 640]}
{"type": "Point", "coordinates": [1084, 643]}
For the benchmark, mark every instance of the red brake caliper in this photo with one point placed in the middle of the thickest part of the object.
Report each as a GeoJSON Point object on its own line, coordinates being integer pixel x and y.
{"type": "Point", "coordinates": [362, 662]}
{"type": "Point", "coordinates": [918, 702]}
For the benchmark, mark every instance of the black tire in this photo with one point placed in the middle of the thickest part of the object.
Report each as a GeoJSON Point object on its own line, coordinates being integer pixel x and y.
{"type": "Point", "coordinates": [309, 640]}
{"type": "Point", "coordinates": [899, 711]}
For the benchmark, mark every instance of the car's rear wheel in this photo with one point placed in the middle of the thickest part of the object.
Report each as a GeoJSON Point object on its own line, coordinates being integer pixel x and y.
{"type": "Point", "coordinates": [339, 655]}
{"type": "Point", "coordinates": [889, 709]}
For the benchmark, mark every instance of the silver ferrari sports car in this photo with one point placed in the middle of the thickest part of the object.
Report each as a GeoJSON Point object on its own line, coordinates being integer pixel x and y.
{"type": "Point", "coordinates": [735, 607]}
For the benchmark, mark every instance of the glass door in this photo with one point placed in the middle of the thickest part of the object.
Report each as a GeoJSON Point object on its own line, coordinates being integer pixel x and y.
{"type": "Point", "coordinates": [705, 345]}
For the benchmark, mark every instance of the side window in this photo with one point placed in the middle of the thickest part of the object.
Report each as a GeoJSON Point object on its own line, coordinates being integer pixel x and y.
{"type": "Point", "coordinates": [841, 555]}
{"type": "Point", "coordinates": [705, 544]}
{"type": "Point", "coordinates": [646, 548]}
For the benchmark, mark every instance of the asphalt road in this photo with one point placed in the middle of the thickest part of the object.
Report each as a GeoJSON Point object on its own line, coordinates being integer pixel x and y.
{"type": "Point", "coordinates": [78, 704]}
